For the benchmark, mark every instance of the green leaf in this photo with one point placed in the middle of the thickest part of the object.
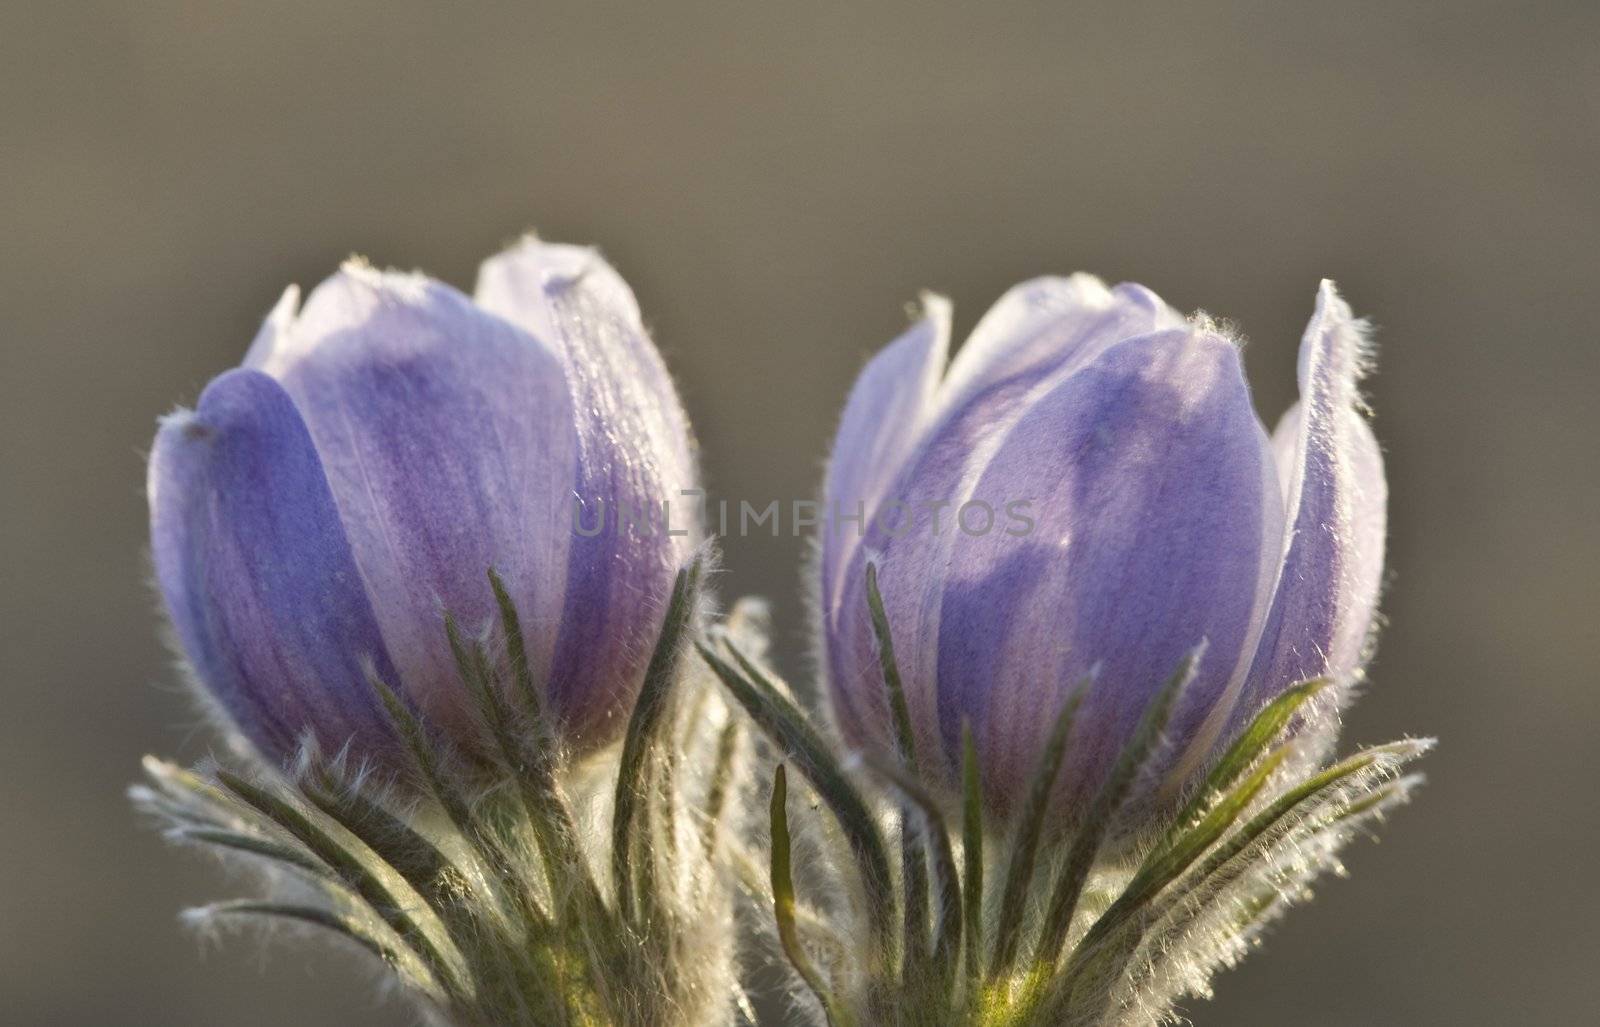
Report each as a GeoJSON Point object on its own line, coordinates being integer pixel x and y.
{"type": "Point", "coordinates": [783, 904]}
{"type": "Point", "coordinates": [640, 742]}
{"type": "Point", "coordinates": [521, 672]}
{"type": "Point", "coordinates": [788, 728]}
{"type": "Point", "coordinates": [1097, 822]}
{"type": "Point", "coordinates": [1169, 861]}
{"type": "Point", "coordinates": [717, 788]}
{"type": "Point", "coordinates": [186, 796]}
{"type": "Point", "coordinates": [947, 935]}
{"type": "Point", "coordinates": [1026, 835]}
{"type": "Point", "coordinates": [504, 869]}
{"type": "Point", "coordinates": [1310, 792]}
{"type": "Point", "coordinates": [1226, 863]}
{"type": "Point", "coordinates": [527, 765]}
{"type": "Point", "coordinates": [413, 857]}
{"type": "Point", "coordinates": [1262, 731]}
{"type": "Point", "coordinates": [254, 845]}
{"type": "Point", "coordinates": [554, 824]}
{"type": "Point", "coordinates": [905, 737]}
{"type": "Point", "coordinates": [347, 927]}
{"type": "Point", "coordinates": [913, 863]}
{"type": "Point", "coordinates": [354, 871]}
{"type": "Point", "coordinates": [972, 855]}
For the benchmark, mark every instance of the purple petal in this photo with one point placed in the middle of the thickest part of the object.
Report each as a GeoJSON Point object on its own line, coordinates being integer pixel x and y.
{"type": "Point", "coordinates": [1332, 473]}
{"type": "Point", "coordinates": [257, 573]}
{"type": "Point", "coordinates": [1154, 491]}
{"type": "Point", "coordinates": [447, 437]}
{"type": "Point", "coordinates": [634, 454]}
{"type": "Point", "coordinates": [889, 406]}
{"type": "Point", "coordinates": [1037, 336]}
{"type": "Point", "coordinates": [1046, 321]}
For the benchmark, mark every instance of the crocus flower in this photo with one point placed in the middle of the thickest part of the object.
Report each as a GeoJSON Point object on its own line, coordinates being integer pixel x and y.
{"type": "Point", "coordinates": [1084, 498]}
{"type": "Point", "coordinates": [380, 450]}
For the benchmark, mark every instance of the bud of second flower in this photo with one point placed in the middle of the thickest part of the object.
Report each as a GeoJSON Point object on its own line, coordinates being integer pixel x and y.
{"type": "Point", "coordinates": [322, 507]}
{"type": "Point", "coordinates": [1167, 518]}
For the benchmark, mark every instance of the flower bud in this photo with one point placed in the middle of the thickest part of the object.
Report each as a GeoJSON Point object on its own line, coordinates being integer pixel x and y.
{"type": "Point", "coordinates": [323, 506]}
{"type": "Point", "coordinates": [1082, 500]}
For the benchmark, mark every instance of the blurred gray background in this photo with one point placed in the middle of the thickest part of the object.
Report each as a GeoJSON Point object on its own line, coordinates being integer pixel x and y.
{"type": "Point", "coordinates": [777, 181]}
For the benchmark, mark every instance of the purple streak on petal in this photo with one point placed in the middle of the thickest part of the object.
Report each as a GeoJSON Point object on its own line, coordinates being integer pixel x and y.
{"type": "Point", "coordinates": [634, 453]}
{"type": "Point", "coordinates": [1336, 498]}
{"type": "Point", "coordinates": [889, 405]}
{"type": "Point", "coordinates": [1150, 477]}
{"type": "Point", "coordinates": [447, 437]}
{"type": "Point", "coordinates": [257, 573]}
{"type": "Point", "coordinates": [1038, 335]}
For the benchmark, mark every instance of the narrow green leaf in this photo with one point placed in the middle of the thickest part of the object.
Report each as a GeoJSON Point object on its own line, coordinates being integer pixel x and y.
{"type": "Point", "coordinates": [195, 800]}
{"type": "Point", "coordinates": [1382, 797]}
{"type": "Point", "coordinates": [1167, 862]}
{"type": "Point", "coordinates": [948, 931]}
{"type": "Point", "coordinates": [347, 927]}
{"type": "Point", "coordinates": [412, 856]}
{"type": "Point", "coordinates": [783, 904]}
{"type": "Point", "coordinates": [640, 742]}
{"type": "Point", "coordinates": [972, 856]}
{"type": "Point", "coordinates": [350, 868]}
{"type": "Point", "coordinates": [1227, 861]}
{"type": "Point", "coordinates": [717, 789]}
{"type": "Point", "coordinates": [913, 862]}
{"type": "Point", "coordinates": [1025, 838]}
{"type": "Point", "coordinates": [537, 753]}
{"type": "Point", "coordinates": [793, 734]}
{"type": "Point", "coordinates": [255, 845]}
{"type": "Point", "coordinates": [521, 672]}
{"type": "Point", "coordinates": [1097, 822]}
{"type": "Point", "coordinates": [565, 866]}
{"type": "Point", "coordinates": [1261, 732]}
{"type": "Point", "coordinates": [905, 736]}
{"type": "Point", "coordinates": [1309, 791]}
{"type": "Point", "coordinates": [506, 871]}
{"type": "Point", "coordinates": [415, 736]}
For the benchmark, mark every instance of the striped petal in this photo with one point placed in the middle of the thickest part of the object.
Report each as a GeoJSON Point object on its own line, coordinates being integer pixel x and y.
{"type": "Point", "coordinates": [447, 437]}
{"type": "Point", "coordinates": [634, 454]}
{"type": "Point", "coordinates": [1332, 473]}
{"type": "Point", "coordinates": [1038, 335]}
{"type": "Point", "coordinates": [1154, 492]}
{"type": "Point", "coordinates": [257, 572]}
{"type": "Point", "coordinates": [889, 406]}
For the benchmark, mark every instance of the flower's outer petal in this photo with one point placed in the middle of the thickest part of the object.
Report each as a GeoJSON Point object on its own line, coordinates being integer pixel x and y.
{"type": "Point", "coordinates": [635, 454]}
{"type": "Point", "coordinates": [1152, 488]}
{"type": "Point", "coordinates": [889, 406]}
{"type": "Point", "coordinates": [1036, 336]}
{"type": "Point", "coordinates": [1048, 320]}
{"type": "Point", "coordinates": [1369, 492]}
{"type": "Point", "coordinates": [448, 441]}
{"type": "Point", "coordinates": [257, 573]}
{"type": "Point", "coordinates": [1336, 499]}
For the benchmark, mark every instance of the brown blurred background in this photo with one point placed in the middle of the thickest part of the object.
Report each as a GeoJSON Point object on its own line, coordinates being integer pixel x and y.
{"type": "Point", "coordinates": [777, 181]}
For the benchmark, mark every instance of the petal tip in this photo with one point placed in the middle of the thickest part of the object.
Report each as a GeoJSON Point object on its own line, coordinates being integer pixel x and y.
{"type": "Point", "coordinates": [552, 266]}
{"type": "Point", "coordinates": [1336, 344]}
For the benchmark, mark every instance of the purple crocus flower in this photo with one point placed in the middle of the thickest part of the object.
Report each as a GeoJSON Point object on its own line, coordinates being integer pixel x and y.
{"type": "Point", "coordinates": [1087, 495]}
{"type": "Point", "coordinates": [380, 450]}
